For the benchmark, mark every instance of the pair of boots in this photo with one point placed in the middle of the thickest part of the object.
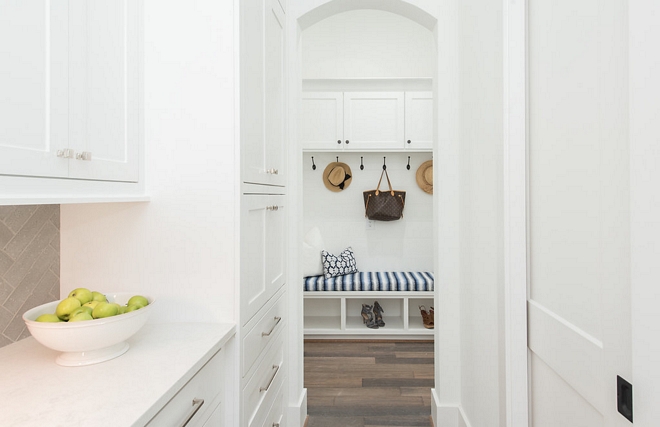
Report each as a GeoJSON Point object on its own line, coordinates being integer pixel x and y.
{"type": "Point", "coordinates": [427, 317]}
{"type": "Point", "coordinates": [372, 316]}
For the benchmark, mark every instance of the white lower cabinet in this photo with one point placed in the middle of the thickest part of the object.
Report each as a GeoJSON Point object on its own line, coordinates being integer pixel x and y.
{"type": "Point", "coordinates": [198, 402]}
{"type": "Point", "coordinates": [261, 389]}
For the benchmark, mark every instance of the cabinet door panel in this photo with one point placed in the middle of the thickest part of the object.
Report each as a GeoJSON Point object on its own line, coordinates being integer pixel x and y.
{"type": "Point", "coordinates": [262, 251]}
{"type": "Point", "coordinates": [274, 112]}
{"type": "Point", "coordinates": [373, 120]}
{"type": "Point", "coordinates": [419, 120]}
{"type": "Point", "coordinates": [322, 121]}
{"type": "Point", "coordinates": [104, 80]}
{"type": "Point", "coordinates": [33, 87]}
{"type": "Point", "coordinates": [262, 92]}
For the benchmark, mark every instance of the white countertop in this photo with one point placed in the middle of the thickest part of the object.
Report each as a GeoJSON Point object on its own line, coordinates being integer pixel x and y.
{"type": "Point", "coordinates": [125, 391]}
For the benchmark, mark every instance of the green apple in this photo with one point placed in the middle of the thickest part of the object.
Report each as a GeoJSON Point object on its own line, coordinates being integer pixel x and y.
{"type": "Point", "coordinates": [48, 318]}
{"type": "Point", "coordinates": [91, 304]}
{"type": "Point", "coordinates": [122, 309]}
{"type": "Point", "coordinates": [98, 296]}
{"type": "Point", "coordinates": [83, 295]}
{"type": "Point", "coordinates": [66, 306]}
{"type": "Point", "coordinates": [83, 315]}
{"type": "Point", "coordinates": [104, 309]}
{"type": "Point", "coordinates": [87, 308]}
{"type": "Point", "coordinates": [133, 307]}
{"type": "Point", "coordinates": [138, 300]}
{"type": "Point", "coordinates": [78, 310]}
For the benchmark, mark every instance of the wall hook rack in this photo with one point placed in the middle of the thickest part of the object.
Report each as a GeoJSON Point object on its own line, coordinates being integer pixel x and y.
{"type": "Point", "coordinates": [408, 166]}
{"type": "Point", "coordinates": [361, 164]}
{"type": "Point", "coordinates": [384, 165]}
{"type": "Point", "coordinates": [313, 165]}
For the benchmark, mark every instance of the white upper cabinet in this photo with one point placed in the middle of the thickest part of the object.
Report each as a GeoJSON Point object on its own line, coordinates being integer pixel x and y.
{"type": "Point", "coordinates": [33, 87]}
{"type": "Point", "coordinates": [262, 93]}
{"type": "Point", "coordinates": [71, 93]}
{"type": "Point", "coordinates": [419, 120]}
{"type": "Point", "coordinates": [322, 120]}
{"type": "Point", "coordinates": [373, 120]}
{"type": "Point", "coordinates": [367, 121]}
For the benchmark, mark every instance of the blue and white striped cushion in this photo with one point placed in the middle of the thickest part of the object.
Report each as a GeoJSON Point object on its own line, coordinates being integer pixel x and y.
{"type": "Point", "coordinates": [372, 281]}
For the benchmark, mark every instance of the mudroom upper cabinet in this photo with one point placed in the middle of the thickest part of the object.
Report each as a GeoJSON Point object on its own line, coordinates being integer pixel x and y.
{"type": "Point", "coordinates": [71, 89]}
{"type": "Point", "coordinates": [367, 121]}
{"type": "Point", "coordinates": [262, 93]}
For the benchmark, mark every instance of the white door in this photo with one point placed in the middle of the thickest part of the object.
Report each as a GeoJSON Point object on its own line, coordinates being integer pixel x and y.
{"type": "Point", "coordinates": [373, 120]}
{"type": "Point", "coordinates": [105, 81]}
{"type": "Point", "coordinates": [262, 250]}
{"type": "Point", "coordinates": [579, 239]}
{"type": "Point", "coordinates": [33, 87]}
{"type": "Point", "coordinates": [419, 121]}
{"type": "Point", "coordinates": [262, 92]}
{"type": "Point", "coordinates": [322, 121]}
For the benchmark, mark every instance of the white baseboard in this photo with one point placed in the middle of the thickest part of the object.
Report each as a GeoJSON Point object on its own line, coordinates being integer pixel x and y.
{"type": "Point", "coordinates": [447, 415]}
{"type": "Point", "coordinates": [298, 412]}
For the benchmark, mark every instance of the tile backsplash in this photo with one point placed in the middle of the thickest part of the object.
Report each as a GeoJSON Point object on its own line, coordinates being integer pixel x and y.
{"type": "Point", "coordinates": [29, 264]}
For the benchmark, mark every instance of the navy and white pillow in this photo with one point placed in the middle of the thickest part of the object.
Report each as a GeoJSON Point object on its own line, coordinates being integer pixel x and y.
{"type": "Point", "coordinates": [338, 265]}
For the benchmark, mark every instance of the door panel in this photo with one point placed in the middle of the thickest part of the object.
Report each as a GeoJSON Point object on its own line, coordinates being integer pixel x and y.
{"type": "Point", "coordinates": [373, 121]}
{"type": "Point", "coordinates": [322, 121]}
{"type": "Point", "coordinates": [33, 87]}
{"type": "Point", "coordinates": [579, 238]}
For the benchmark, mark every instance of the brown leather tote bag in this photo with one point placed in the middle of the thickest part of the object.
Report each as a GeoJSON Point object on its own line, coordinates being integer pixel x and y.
{"type": "Point", "coordinates": [384, 205]}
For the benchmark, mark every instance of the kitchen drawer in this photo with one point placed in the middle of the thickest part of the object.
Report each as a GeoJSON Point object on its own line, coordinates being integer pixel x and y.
{"type": "Point", "coordinates": [266, 329]}
{"type": "Point", "coordinates": [275, 415]}
{"type": "Point", "coordinates": [215, 420]}
{"type": "Point", "coordinates": [261, 390]}
{"type": "Point", "coordinates": [206, 385]}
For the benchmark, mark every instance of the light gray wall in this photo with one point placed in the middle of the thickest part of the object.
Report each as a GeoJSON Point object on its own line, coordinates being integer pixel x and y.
{"type": "Point", "coordinates": [29, 264]}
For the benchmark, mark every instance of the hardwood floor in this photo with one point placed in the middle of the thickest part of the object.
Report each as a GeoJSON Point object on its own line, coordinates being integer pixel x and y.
{"type": "Point", "coordinates": [368, 383]}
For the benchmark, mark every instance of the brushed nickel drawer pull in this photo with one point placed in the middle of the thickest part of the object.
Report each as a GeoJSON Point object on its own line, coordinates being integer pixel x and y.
{"type": "Point", "coordinates": [278, 319]}
{"type": "Point", "coordinates": [196, 404]}
{"type": "Point", "coordinates": [276, 424]}
{"type": "Point", "coordinates": [277, 368]}
{"type": "Point", "coordinates": [272, 208]}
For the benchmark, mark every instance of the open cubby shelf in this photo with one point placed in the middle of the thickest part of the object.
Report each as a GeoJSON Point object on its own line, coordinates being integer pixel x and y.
{"type": "Point", "coordinates": [337, 314]}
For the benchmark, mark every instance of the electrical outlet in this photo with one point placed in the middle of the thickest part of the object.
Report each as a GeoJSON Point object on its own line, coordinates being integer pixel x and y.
{"type": "Point", "coordinates": [370, 224]}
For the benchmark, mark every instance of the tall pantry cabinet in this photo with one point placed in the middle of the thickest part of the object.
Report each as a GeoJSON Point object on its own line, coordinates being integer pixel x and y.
{"type": "Point", "coordinates": [263, 243]}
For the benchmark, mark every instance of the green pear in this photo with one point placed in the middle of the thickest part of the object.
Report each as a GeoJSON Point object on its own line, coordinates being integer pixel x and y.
{"type": "Point", "coordinates": [105, 309]}
{"type": "Point", "coordinates": [48, 318]}
{"type": "Point", "coordinates": [83, 295]}
{"type": "Point", "coordinates": [98, 296]}
{"type": "Point", "coordinates": [66, 306]}
{"type": "Point", "coordinates": [92, 304]}
{"type": "Point", "coordinates": [138, 300]}
{"type": "Point", "coordinates": [83, 315]}
{"type": "Point", "coordinates": [133, 307]}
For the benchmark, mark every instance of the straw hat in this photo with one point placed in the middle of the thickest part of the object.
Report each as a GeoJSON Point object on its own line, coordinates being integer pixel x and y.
{"type": "Point", "coordinates": [337, 176]}
{"type": "Point", "coordinates": [424, 176]}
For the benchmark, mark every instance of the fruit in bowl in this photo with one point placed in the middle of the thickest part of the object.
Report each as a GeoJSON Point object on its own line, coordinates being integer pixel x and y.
{"type": "Point", "coordinates": [83, 337]}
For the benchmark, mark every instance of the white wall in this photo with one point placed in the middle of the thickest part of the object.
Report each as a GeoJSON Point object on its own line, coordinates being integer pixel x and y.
{"type": "Point", "coordinates": [406, 244]}
{"type": "Point", "coordinates": [481, 226]}
{"type": "Point", "coordinates": [367, 43]}
{"type": "Point", "coordinates": [180, 246]}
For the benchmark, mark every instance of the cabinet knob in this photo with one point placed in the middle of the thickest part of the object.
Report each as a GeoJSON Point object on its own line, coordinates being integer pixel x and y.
{"type": "Point", "coordinates": [272, 171]}
{"type": "Point", "coordinates": [339, 141]}
{"type": "Point", "coordinates": [85, 155]}
{"type": "Point", "coordinates": [347, 141]}
{"type": "Point", "coordinates": [408, 141]}
{"type": "Point", "coordinates": [67, 153]}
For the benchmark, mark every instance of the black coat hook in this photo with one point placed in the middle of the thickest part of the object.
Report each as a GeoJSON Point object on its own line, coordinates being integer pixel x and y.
{"type": "Point", "coordinates": [361, 164]}
{"type": "Point", "coordinates": [337, 159]}
{"type": "Point", "coordinates": [313, 165]}
{"type": "Point", "coordinates": [384, 165]}
{"type": "Point", "coordinates": [408, 167]}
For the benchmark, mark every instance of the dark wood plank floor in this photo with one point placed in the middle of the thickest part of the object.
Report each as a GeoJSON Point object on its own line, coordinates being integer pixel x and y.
{"type": "Point", "coordinates": [368, 383]}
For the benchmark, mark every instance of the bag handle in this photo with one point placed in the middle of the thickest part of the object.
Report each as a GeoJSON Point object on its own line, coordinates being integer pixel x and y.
{"type": "Point", "coordinates": [384, 172]}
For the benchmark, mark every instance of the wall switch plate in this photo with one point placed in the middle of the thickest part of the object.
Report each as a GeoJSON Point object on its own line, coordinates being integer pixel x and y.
{"type": "Point", "coordinates": [370, 224]}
